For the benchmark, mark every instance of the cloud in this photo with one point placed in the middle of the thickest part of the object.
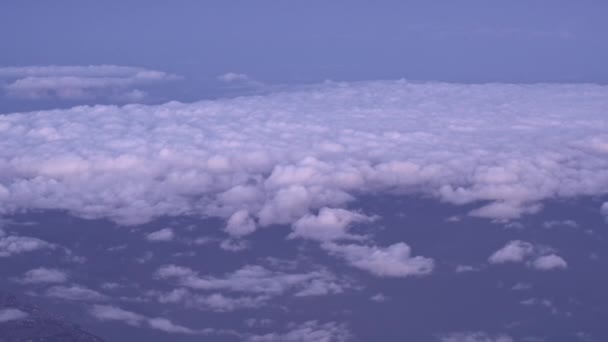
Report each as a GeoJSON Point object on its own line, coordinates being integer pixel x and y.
{"type": "Point", "coordinates": [330, 224]}
{"type": "Point", "coordinates": [392, 261]}
{"type": "Point", "coordinates": [230, 77]}
{"type": "Point", "coordinates": [563, 223]}
{"type": "Point", "coordinates": [75, 293]}
{"type": "Point", "coordinates": [256, 279]}
{"type": "Point", "coordinates": [113, 313]}
{"type": "Point", "coordinates": [234, 80]}
{"type": "Point", "coordinates": [379, 298]}
{"type": "Point", "coordinates": [165, 234]}
{"type": "Point", "coordinates": [216, 302]}
{"type": "Point", "coordinates": [12, 245]}
{"type": "Point", "coordinates": [240, 224]}
{"type": "Point", "coordinates": [604, 210]}
{"type": "Point", "coordinates": [117, 83]}
{"type": "Point", "coordinates": [475, 337]}
{"type": "Point", "coordinates": [466, 269]}
{"type": "Point", "coordinates": [11, 314]}
{"type": "Point", "coordinates": [311, 331]}
{"type": "Point", "coordinates": [43, 275]}
{"type": "Point", "coordinates": [513, 251]}
{"type": "Point", "coordinates": [549, 262]}
{"type": "Point", "coordinates": [280, 158]}
{"type": "Point", "coordinates": [536, 256]}
{"type": "Point", "coordinates": [250, 286]}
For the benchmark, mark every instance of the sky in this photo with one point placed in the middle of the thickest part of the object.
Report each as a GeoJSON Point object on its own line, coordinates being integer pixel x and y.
{"type": "Point", "coordinates": [304, 170]}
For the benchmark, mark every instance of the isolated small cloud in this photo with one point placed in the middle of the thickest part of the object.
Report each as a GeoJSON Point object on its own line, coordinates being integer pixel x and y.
{"type": "Point", "coordinates": [231, 77]}
{"type": "Point", "coordinates": [379, 297]}
{"type": "Point", "coordinates": [11, 314]}
{"type": "Point", "coordinates": [513, 251]}
{"type": "Point", "coordinates": [75, 293]}
{"type": "Point", "coordinates": [12, 245]}
{"type": "Point", "coordinates": [392, 261]}
{"type": "Point", "coordinates": [165, 234]}
{"type": "Point", "coordinates": [113, 313]}
{"type": "Point", "coordinates": [604, 210]}
{"type": "Point", "coordinates": [549, 262]}
{"type": "Point", "coordinates": [44, 275]}
{"type": "Point", "coordinates": [560, 224]}
{"type": "Point", "coordinates": [465, 269]}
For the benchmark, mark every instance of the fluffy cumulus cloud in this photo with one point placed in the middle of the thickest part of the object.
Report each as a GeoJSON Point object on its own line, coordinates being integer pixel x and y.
{"type": "Point", "coordinates": [277, 156]}
{"type": "Point", "coordinates": [119, 83]}
{"type": "Point", "coordinates": [392, 261]}
{"type": "Point", "coordinates": [329, 224]}
{"type": "Point", "coordinates": [44, 275]}
{"type": "Point", "coordinates": [300, 157]}
{"type": "Point", "coordinates": [536, 256]}
{"type": "Point", "coordinates": [11, 314]}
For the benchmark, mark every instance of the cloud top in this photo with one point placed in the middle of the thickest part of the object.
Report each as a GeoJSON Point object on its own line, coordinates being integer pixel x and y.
{"type": "Point", "coordinates": [281, 158]}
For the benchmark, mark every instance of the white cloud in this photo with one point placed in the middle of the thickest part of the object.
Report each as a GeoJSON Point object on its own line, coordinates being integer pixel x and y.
{"type": "Point", "coordinates": [513, 251]}
{"type": "Point", "coordinates": [165, 234]}
{"type": "Point", "coordinates": [330, 224]}
{"type": "Point", "coordinates": [240, 223]}
{"type": "Point", "coordinates": [11, 314]}
{"type": "Point", "coordinates": [80, 82]}
{"type": "Point", "coordinates": [536, 256]}
{"type": "Point", "coordinates": [392, 261]}
{"type": "Point", "coordinates": [379, 298]}
{"type": "Point", "coordinates": [283, 156]}
{"type": "Point", "coordinates": [475, 337]}
{"type": "Point", "coordinates": [549, 262]}
{"type": "Point", "coordinates": [311, 331]}
{"type": "Point", "coordinates": [11, 245]}
{"type": "Point", "coordinates": [44, 275]}
{"type": "Point", "coordinates": [230, 77]}
{"type": "Point", "coordinates": [113, 313]}
{"type": "Point", "coordinates": [75, 293]}
{"type": "Point", "coordinates": [256, 279]}
{"type": "Point", "coordinates": [604, 210]}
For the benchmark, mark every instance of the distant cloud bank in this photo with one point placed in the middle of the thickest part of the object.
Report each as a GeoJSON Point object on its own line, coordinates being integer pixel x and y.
{"type": "Point", "coordinates": [101, 82]}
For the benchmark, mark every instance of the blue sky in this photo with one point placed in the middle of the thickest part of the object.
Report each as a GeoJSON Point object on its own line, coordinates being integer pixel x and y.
{"type": "Point", "coordinates": [304, 41]}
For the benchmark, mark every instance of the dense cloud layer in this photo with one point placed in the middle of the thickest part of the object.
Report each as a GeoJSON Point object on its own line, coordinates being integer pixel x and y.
{"type": "Point", "coordinates": [278, 158]}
